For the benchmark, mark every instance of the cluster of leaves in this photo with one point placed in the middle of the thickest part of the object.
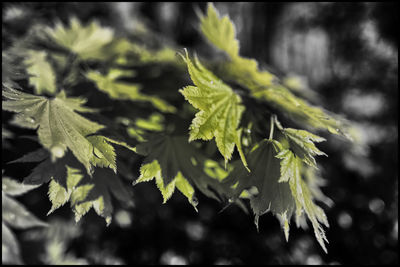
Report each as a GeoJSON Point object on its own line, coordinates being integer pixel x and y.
{"type": "Point", "coordinates": [79, 161]}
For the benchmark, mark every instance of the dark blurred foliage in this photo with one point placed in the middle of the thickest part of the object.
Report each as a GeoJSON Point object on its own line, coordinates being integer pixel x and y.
{"type": "Point", "coordinates": [348, 54]}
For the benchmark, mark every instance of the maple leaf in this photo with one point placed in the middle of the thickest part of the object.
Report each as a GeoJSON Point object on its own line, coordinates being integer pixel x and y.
{"type": "Point", "coordinates": [69, 183]}
{"type": "Point", "coordinates": [222, 34]}
{"type": "Point", "coordinates": [125, 91]}
{"type": "Point", "coordinates": [61, 127]}
{"type": "Point", "coordinates": [263, 84]}
{"type": "Point", "coordinates": [276, 174]}
{"type": "Point", "coordinates": [87, 42]}
{"type": "Point", "coordinates": [220, 109]}
{"type": "Point", "coordinates": [85, 193]}
{"type": "Point", "coordinates": [174, 163]}
{"type": "Point", "coordinates": [15, 215]}
{"type": "Point", "coordinates": [153, 170]}
{"type": "Point", "coordinates": [291, 168]}
{"type": "Point", "coordinates": [301, 111]}
{"type": "Point", "coordinates": [42, 76]}
{"type": "Point", "coordinates": [301, 142]}
{"type": "Point", "coordinates": [270, 194]}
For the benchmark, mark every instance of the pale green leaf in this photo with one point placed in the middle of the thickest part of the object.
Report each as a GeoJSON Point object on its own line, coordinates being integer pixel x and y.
{"type": "Point", "coordinates": [219, 31]}
{"type": "Point", "coordinates": [302, 144]}
{"type": "Point", "coordinates": [152, 170]}
{"type": "Point", "coordinates": [116, 89]}
{"type": "Point", "coordinates": [58, 196]}
{"type": "Point", "coordinates": [87, 41]}
{"type": "Point", "coordinates": [220, 109]}
{"type": "Point", "coordinates": [172, 160]}
{"type": "Point", "coordinates": [42, 76]}
{"type": "Point", "coordinates": [291, 169]}
{"type": "Point", "coordinates": [263, 84]}
{"type": "Point", "coordinates": [71, 184]}
{"type": "Point", "coordinates": [62, 128]}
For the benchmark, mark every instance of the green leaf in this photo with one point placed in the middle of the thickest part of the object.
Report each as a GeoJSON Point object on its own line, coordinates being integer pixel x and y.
{"type": "Point", "coordinates": [301, 111]}
{"type": "Point", "coordinates": [220, 109]}
{"type": "Point", "coordinates": [302, 144]}
{"type": "Point", "coordinates": [263, 84]}
{"type": "Point", "coordinates": [152, 170]}
{"type": "Point", "coordinates": [219, 31]}
{"type": "Point", "coordinates": [98, 191]}
{"type": "Point", "coordinates": [87, 42]}
{"type": "Point", "coordinates": [70, 183]}
{"type": "Point", "coordinates": [176, 163]}
{"type": "Point", "coordinates": [271, 195]}
{"type": "Point", "coordinates": [291, 168]}
{"type": "Point", "coordinates": [42, 76]}
{"type": "Point", "coordinates": [61, 127]}
{"type": "Point", "coordinates": [125, 91]}
{"type": "Point", "coordinates": [59, 195]}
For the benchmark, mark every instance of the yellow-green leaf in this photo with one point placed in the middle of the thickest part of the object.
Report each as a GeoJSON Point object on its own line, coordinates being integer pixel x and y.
{"type": "Point", "coordinates": [116, 89]}
{"type": "Point", "coordinates": [219, 31]}
{"type": "Point", "coordinates": [87, 41]}
{"type": "Point", "coordinates": [152, 170]}
{"type": "Point", "coordinates": [220, 109]}
{"type": "Point", "coordinates": [42, 76]}
{"type": "Point", "coordinates": [291, 169]}
{"type": "Point", "coordinates": [60, 127]}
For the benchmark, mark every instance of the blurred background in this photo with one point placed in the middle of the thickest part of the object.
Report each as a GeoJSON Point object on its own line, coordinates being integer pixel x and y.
{"type": "Point", "coordinates": [346, 53]}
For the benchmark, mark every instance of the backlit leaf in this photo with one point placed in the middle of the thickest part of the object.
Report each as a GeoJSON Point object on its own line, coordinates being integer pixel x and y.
{"type": "Point", "coordinates": [263, 84]}
{"type": "Point", "coordinates": [42, 76]}
{"type": "Point", "coordinates": [220, 109]}
{"type": "Point", "coordinates": [61, 127]}
{"type": "Point", "coordinates": [291, 168]}
{"type": "Point", "coordinates": [69, 183]}
{"type": "Point", "coordinates": [125, 91]}
{"type": "Point", "coordinates": [85, 41]}
{"type": "Point", "coordinates": [176, 163]}
{"type": "Point", "coordinates": [152, 170]}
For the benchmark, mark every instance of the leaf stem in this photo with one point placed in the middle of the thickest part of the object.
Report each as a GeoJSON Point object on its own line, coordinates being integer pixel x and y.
{"type": "Point", "coordinates": [271, 130]}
